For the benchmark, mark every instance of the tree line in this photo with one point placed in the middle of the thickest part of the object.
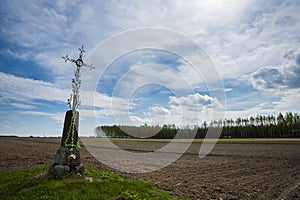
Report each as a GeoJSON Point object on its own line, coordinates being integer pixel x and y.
{"type": "Point", "coordinates": [281, 126]}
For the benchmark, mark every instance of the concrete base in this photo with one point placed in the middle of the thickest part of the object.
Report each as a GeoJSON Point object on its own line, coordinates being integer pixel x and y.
{"type": "Point", "coordinates": [66, 160]}
{"type": "Point", "coordinates": [67, 157]}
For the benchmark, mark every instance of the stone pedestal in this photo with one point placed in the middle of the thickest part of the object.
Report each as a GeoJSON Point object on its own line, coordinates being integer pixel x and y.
{"type": "Point", "coordinates": [70, 131]}
{"type": "Point", "coordinates": [67, 157]}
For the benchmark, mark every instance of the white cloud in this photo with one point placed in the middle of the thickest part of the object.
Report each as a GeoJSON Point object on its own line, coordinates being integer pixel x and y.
{"type": "Point", "coordinates": [190, 16]}
{"type": "Point", "coordinates": [139, 121]}
{"type": "Point", "coordinates": [192, 109]}
{"type": "Point", "coordinates": [285, 76]}
{"type": "Point", "coordinates": [23, 92]}
{"type": "Point", "coordinates": [160, 110]}
{"type": "Point", "coordinates": [55, 25]}
{"type": "Point", "coordinates": [192, 100]}
{"type": "Point", "coordinates": [150, 74]}
{"type": "Point", "coordinates": [280, 101]}
{"type": "Point", "coordinates": [258, 40]}
{"type": "Point", "coordinates": [35, 24]}
{"type": "Point", "coordinates": [224, 28]}
{"type": "Point", "coordinates": [196, 108]}
{"type": "Point", "coordinates": [235, 34]}
{"type": "Point", "coordinates": [58, 117]}
{"type": "Point", "coordinates": [288, 101]}
{"type": "Point", "coordinates": [24, 89]}
{"type": "Point", "coordinates": [277, 90]}
{"type": "Point", "coordinates": [22, 106]}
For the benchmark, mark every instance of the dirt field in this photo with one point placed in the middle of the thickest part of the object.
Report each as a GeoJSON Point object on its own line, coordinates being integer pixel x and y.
{"type": "Point", "coordinates": [233, 170]}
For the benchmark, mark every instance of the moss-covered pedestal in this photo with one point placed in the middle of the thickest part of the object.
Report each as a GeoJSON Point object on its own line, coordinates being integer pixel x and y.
{"type": "Point", "coordinates": [67, 157]}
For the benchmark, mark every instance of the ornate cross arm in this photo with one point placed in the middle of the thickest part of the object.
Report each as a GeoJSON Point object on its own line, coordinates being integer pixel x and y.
{"type": "Point", "coordinates": [74, 100]}
{"type": "Point", "coordinates": [79, 61]}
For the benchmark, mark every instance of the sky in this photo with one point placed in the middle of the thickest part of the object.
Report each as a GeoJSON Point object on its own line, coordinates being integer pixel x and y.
{"type": "Point", "coordinates": [249, 50]}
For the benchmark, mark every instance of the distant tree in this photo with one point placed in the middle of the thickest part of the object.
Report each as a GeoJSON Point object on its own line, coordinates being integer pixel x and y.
{"type": "Point", "coordinates": [270, 126]}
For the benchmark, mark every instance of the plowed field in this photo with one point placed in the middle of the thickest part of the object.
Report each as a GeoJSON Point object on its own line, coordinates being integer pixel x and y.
{"type": "Point", "coordinates": [262, 169]}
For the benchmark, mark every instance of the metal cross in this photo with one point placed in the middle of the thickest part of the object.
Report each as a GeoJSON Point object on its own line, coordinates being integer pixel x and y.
{"type": "Point", "coordinates": [74, 101]}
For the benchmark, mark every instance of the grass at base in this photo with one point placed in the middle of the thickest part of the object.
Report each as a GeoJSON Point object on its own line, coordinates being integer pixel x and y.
{"type": "Point", "coordinates": [24, 184]}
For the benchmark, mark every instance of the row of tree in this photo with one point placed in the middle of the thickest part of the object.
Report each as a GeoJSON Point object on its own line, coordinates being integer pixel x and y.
{"type": "Point", "coordinates": [260, 126]}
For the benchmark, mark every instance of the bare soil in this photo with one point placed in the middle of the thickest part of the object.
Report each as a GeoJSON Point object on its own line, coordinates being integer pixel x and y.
{"type": "Point", "coordinates": [233, 170]}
